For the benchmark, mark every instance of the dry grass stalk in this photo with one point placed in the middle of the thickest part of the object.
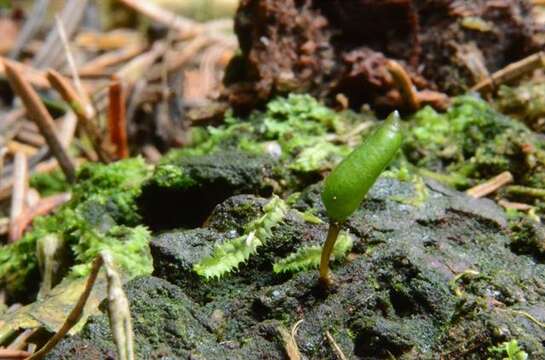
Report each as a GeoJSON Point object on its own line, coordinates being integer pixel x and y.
{"type": "Point", "coordinates": [20, 186]}
{"type": "Point", "coordinates": [290, 346]}
{"type": "Point", "coordinates": [98, 65]}
{"type": "Point", "coordinates": [74, 315]}
{"type": "Point", "coordinates": [117, 120]}
{"type": "Point", "coordinates": [38, 113]}
{"type": "Point", "coordinates": [185, 26]}
{"type": "Point", "coordinates": [515, 205]}
{"type": "Point", "coordinates": [335, 346]}
{"type": "Point", "coordinates": [43, 207]}
{"type": "Point", "coordinates": [68, 93]}
{"type": "Point", "coordinates": [118, 310]}
{"type": "Point", "coordinates": [35, 77]}
{"type": "Point", "coordinates": [491, 185]}
{"type": "Point", "coordinates": [511, 72]}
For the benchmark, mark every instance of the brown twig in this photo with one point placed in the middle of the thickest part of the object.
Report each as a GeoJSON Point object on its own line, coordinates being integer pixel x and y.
{"type": "Point", "coordinates": [116, 119]}
{"type": "Point", "coordinates": [71, 62]}
{"type": "Point", "coordinates": [21, 340]}
{"type": "Point", "coordinates": [38, 113]}
{"type": "Point", "coordinates": [20, 185]}
{"type": "Point", "coordinates": [118, 311]}
{"type": "Point", "coordinates": [9, 354]}
{"type": "Point", "coordinates": [43, 207]}
{"type": "Point", "coordinates": [511, 72]}
{"type": "Point", "coordinates": [74, 315]}
{"type": "Point", "coordinates": [35, 77]}
{"type": "Point", "coordinates": [30, 137]}
{"type": "Point", "coordinates": [68, 93]}
{"type": "Point", "coordinates": [335, 346]}
{"type": "Point", "coordinates": [514, 205]}
{"type": "Point", "coordinates": [98, 64]}
{"type": "Point", "coordinates": [491, 185]}
{"type": "Point", "coordinates": [290, 345]}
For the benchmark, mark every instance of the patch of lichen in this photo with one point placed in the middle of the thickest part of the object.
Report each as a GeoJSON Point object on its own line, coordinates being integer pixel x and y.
{"type": "Point", "coordinates": [101, 215]}
{"type": "Point", "coordinates": [474, 141]}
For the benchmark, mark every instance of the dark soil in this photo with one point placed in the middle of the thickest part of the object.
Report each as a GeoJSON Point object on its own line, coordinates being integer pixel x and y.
{"type": "Point", "coordinates": [398, 294]}
{"type": "Point", "coordinates": [329, 47]}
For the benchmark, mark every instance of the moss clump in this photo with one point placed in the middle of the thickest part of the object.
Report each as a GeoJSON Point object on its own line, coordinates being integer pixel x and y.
{"type": "Point", "coordinates": [525, 102]}
{"type": "Point", "coordinates": [49, 183]}
{"type": "Point", "coordinates": [308, 257]}
{"type": "Point", "coordinates": [101, 214]}
{"type": "Point", "coordinates": [473, 141]}
{"type": "Point", "coordinates": [297, 130]}
{"type": "Point", "coordinates": [229, 255]}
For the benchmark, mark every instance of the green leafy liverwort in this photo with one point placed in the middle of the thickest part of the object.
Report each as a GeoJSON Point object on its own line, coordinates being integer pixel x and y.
{"type": "Point", "coordinates": [349, 182]}
{"type": "Point", "coordinates": [229, 255]}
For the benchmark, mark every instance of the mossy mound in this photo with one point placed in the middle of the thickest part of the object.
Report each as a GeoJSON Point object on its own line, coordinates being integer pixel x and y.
{"type": "Point", "coordinates": [100, 215]}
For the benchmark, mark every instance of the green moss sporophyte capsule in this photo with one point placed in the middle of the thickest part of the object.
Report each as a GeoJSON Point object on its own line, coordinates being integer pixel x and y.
{"type": "Point", "coordinates": [349, 182]}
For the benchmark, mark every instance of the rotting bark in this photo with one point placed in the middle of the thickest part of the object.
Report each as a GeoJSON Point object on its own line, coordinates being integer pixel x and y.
{"type": "Point", "coordinates": [330, 47]}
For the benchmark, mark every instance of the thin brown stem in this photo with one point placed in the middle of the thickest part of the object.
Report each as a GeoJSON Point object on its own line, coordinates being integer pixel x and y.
{"type": "Point", "coordinates": [74, 315]}
{"type": "Point", "coordinates": [332, 234]}
{"type": "Point", "coordinates": [81, 109]}
{"type": "Point", "coordinates": [511, 72]}
{"type": "Point", "coordinates": [38, 113]}
{"type": "Point", "coordinates": [405, 84]}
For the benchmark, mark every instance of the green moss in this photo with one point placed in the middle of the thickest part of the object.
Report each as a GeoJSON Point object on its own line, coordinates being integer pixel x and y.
{"type": "Point", "coordinates": [172, 176]}
{"type": "Point", "coordinates": [229, 255]}
{"type": "Point", "coordinates": [298, 130]}
{"type": "Point", "coordinates": [308, 257]}
{"type": "Point", "coordinates": [49, 183]}
{"type": "Point", "coordinates": [473, 141]}
{"type": "Point", "coordinates": [508, 350]}
{"type": "Point", "coordinates": [526, 102]}
{"type": "Point", "coordinates": [99, 215]}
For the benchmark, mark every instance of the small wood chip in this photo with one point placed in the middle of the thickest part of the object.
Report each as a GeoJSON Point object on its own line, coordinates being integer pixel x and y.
{"type": "Point", "coordinates": [490, 186]}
